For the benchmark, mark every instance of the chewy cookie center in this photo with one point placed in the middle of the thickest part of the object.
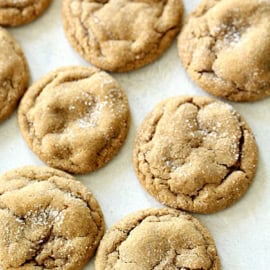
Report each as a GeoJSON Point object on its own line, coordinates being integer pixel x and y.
{"type": "Point", "coordinates": [193, 147]}
{"type": "Point", "coordinates": [132, 24]}
{"type": "Point", "coordinates": [68, 116]}
{"type": "Point", "coordinates": [65, 110]}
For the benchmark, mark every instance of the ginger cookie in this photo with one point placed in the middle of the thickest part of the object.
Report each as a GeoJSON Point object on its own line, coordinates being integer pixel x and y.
{"type": "Point", "coordinates": [75, 118]}
{"type": "Point", "coordinates": [225, 47]}
{"type": "Point", "coordinates": [48, 220]}
{"type": "Point", "coordinates": [157, 239]}
{"type": "Point", "coordinates": [121, 35]}
{"type": "Point", "coordinates": [195, 154]}
{"type": "Point", "coordinates": [14, 13]}
{"type": "Point", "coordinates": [14, 74]}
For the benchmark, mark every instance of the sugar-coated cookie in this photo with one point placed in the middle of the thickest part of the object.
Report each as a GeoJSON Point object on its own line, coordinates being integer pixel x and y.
{"type": "Point", "coordinates": [48, 220]}
{"type": "Point", "coordinates": [75, 118]}
{"type": "Point", "coordinates": [195, 154]}
{"type": "Point", "coordinates": [14, 74]}
{"type": "Point", "coordinates": [14, 13]}
{"type": "Point", "coordinates": [121, 35]}
{"type": "Point", "coordinates": [157, 239]}
{"type": "Point", "coordinates": [225, 48]}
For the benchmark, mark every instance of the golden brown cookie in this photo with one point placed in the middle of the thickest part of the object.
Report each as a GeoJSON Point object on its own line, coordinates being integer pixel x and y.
{"type": "Point", "coordinates": [157, 239]}
{"type": "Point", "coordinates": [225, 47]}
{"type": "Point", "coordinates": [75, 118]}
{"type": "Point", "coordinates": [195, 154]}
{"type": "Point", "coordinates": [47, 220]}
{"type": "Point", "coordinates": [14, 74]}
{"type": "Point", "coordinates": [121, 35]}
{"type": "Point", "coordinates": [13, 13]}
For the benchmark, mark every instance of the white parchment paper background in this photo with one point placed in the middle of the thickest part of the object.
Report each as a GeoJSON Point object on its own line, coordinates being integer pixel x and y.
{"type": "Point", "coordinates": [242, 232]}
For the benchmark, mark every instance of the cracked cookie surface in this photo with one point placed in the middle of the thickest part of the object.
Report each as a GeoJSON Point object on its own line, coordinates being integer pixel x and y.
{"type": "Point", "coordinates": [48, 220]}
{"type": "Point", "coordinates": [121, 35]}
{"type": "Point", "coordinates": [75, 118]}
{"type": "Point", "coordinates": [217, 47]}
{"type": "Point", "coordinates": [13, 13]}
{"type": "Point", "coordinates": [156, 239]}
{"type": "Point", "coordinates": [14, 74]}
{"type": "Point", "coordinates": [195, 154]}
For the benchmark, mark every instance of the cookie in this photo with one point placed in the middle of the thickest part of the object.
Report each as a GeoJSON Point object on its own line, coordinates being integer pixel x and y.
{"type": "Point", "coordinates": [195, 154]}
{"type": "Point", "coordinates": [157, 239]}
{"type": "Point", "coordinates": [121, 35]}
{"type": "Point", "coordinates": [14, 13]}
{"type": "Point", "coordinates": [47, 220]}
{"type": "Point", "coordinates": [14, 74]}
{"type": "Point", "coordinates": [75, 118]}
{"type": "Point", "coordinates": [225, 48]}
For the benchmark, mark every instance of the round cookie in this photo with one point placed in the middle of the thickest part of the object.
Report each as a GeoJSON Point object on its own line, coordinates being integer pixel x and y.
{"type": "Point", "coordinates": [225, 47]}
{"type": "Point", "coordinates": [121, 35]}
{"type": "Point", "coordinates": [48, 220]}
{"type": "Point", "coordinates": [157, 239]}
{"type": "Point", "coordinates": [14, 74]}
{"type": "Point", "coordinates": [14, 13]}
{"type": "Point", "coordinates": [75, 118]}
{"type": "Point", "coordinates": [195, 154]}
